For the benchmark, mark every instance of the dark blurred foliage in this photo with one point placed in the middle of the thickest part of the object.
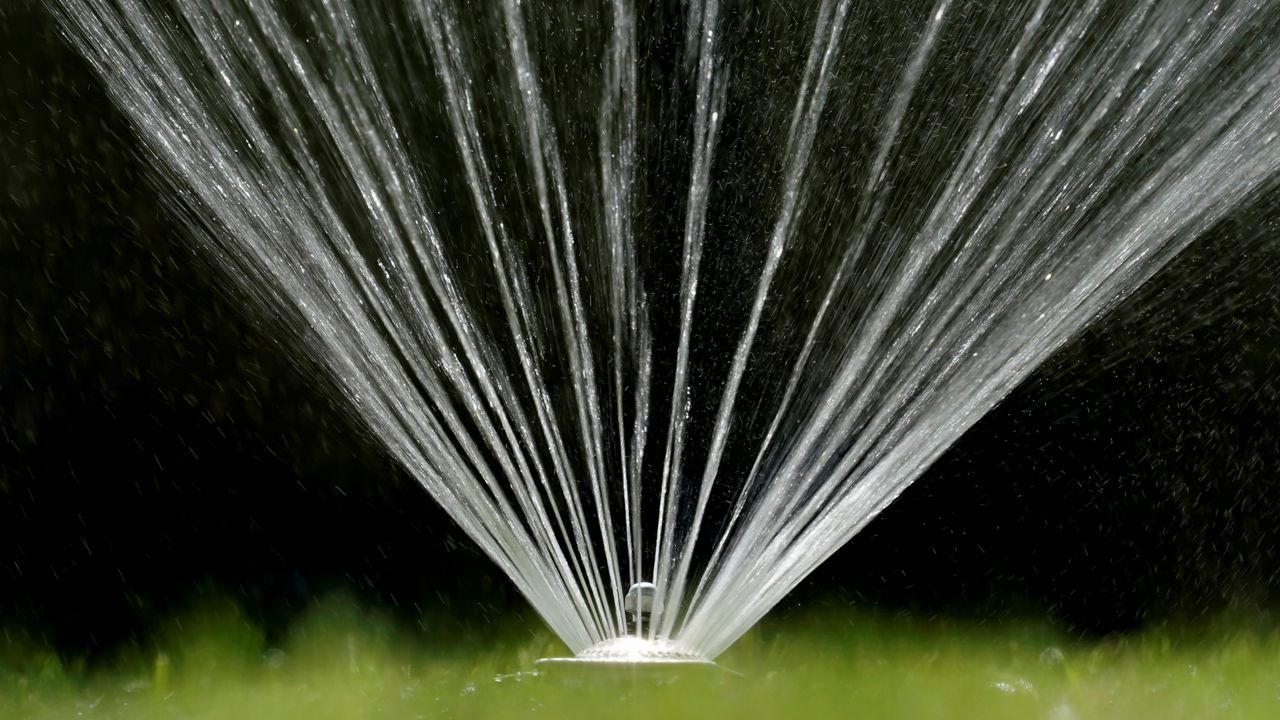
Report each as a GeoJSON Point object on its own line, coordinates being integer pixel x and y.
{"type": "Point", "coordinates": [156, 443]}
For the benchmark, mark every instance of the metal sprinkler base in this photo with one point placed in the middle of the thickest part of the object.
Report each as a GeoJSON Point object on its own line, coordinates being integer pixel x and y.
{"type": "Point", "coordinates": [630, 651]}
{"type": "Point", "coordinates": [629, 658]}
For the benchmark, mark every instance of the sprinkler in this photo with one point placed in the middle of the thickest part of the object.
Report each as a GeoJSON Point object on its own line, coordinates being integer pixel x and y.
{"type": "Point", "coordinates": [635, 652]}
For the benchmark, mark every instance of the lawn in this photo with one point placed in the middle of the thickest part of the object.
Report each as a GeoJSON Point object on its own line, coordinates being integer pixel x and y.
{"type": "Point", "coordinates": [340, 661]}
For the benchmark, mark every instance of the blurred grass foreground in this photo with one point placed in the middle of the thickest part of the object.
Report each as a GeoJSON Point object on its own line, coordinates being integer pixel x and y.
{"type": "Point", "coordinates": [341, 661]}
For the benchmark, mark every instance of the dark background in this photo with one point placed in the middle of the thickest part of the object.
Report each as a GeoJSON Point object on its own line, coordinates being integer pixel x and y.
{"type": "Point", "coordinates": [155, 445]}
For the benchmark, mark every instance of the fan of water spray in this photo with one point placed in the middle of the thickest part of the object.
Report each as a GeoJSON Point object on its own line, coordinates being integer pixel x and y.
{"type": "Point", "coordinates": [685, 296]}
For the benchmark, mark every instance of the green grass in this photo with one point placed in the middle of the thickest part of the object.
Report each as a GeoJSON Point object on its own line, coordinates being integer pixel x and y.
{"type": "Point", "coordinates": [343, 662]}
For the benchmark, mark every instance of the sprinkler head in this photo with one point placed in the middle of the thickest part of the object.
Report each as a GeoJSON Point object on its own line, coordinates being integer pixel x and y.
{"type": "Point", "coordinates": [633, 655]}
{"type": "Point", "coordinates": [639, 600]}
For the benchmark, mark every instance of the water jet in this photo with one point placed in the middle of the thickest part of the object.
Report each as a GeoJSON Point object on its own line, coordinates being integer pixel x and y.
{"type": "Point", "coordinates": [695, 388]}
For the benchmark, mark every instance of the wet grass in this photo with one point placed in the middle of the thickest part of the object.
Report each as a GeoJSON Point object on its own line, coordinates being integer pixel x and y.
{"type": "Point", "coordinates": [343, 662]}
